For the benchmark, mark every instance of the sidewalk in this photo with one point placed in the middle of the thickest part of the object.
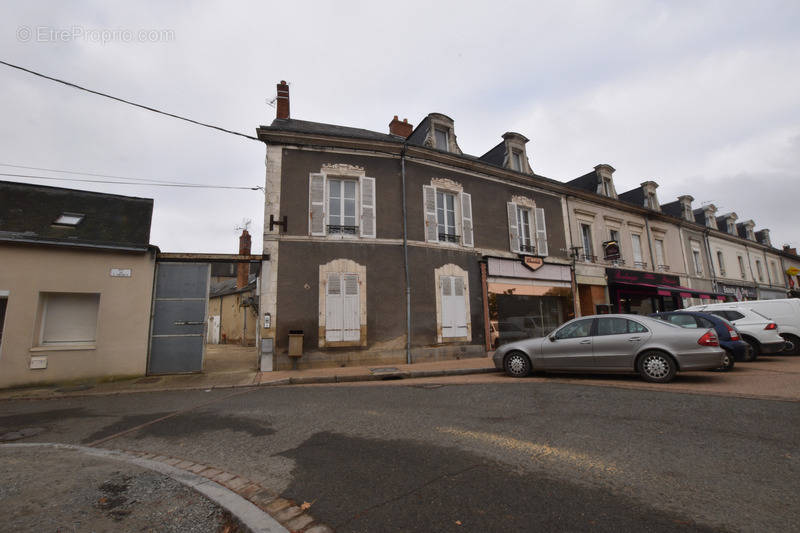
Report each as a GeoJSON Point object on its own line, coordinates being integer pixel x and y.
{"type": "Point", "coordinates": [218, 380]}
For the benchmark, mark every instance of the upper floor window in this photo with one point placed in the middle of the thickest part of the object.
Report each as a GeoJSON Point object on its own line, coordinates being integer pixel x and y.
{"type": "Point", "coordinates": [721, 262]}
{"type": "Point", "coordinates": [687, 212]}
{"type": "Point", "coordinates": [442, 138]}
{"type": "Point", "coordinates": [652, 203]}
{"type": "Point", "coordinates": [698, 261]}
{"type": "Point", "coordinates": [741, 266]}
{"type": "Point", "coordinates": [750, 235]}
{"type": "Point", "coordinates": [586, 240]}
{"type": "Point", "coordinates": [343, 206]}
{"type": "Point", "coordinates": [636, 241]}
{"type": "Point", "coordinates": [773, 271]}
{"type": "Point", "coordinates": [448, 216]}
{"type": "Point", "coordinates": [516, 160]}
{"type": "Point", "coordinates": [731, 227]}
{"type": "Point", "coordinates": [660, 257]}
{"type": "Point", "coordinates": [527, 231]}
{"type": "Point", "coordinates": [760, 270]}
{"type": "Point", "coordinates": [607, 191]}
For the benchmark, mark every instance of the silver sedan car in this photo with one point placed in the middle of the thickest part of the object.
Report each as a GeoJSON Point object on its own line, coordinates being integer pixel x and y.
{"type": "Point", "coordinates": [654, 349]}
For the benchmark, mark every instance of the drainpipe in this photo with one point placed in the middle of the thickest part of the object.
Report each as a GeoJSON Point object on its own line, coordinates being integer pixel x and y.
{"type": "Point", "coordinates": [405, 254]}
{"type": "Point", "coordinates": [752, 274]}
{"type": "Point", "coordinates": [710, 261]}
{"type": "Point", "coordinates": [650, 243]}
{"type": "Point", "coordinates": [573, 252]}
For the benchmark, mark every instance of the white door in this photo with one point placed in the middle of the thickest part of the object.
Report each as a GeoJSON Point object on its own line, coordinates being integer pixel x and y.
{"type": "Point", "coordinates": [342, 317]}
{"type": "Point", "coordinates": [212, 335]}
{"type": "Point", "coordinates": [454, 308]}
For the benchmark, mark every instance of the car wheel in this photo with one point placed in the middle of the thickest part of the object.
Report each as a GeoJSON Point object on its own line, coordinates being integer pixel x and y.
{"type": "Point", "coordinates": [792, 344]}
{"type": "Point", "coordinates": [727, 362]}
{"type": "Point", "coordinates": [517, 365]}
{"type": "Point", "coordinates": [755, 349]}
{"type": "Point", "coordinates": [657, 367]}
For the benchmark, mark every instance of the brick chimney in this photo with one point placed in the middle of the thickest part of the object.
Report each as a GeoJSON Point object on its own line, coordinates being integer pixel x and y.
{"type": "Point", "coordinates": [282, 108]}
{"type": "Point", "coordinates": [403, 129]}
{"type": "Point", "coordinates": [789, 250]}
{"type": "Point", "coordinates": [243, 269]}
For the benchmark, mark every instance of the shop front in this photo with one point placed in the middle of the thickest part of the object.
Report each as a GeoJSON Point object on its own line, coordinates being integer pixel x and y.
{"type": "Point", "coordinates": [642, 293]}
{"type": "Point", "coordinates": [737, 293]}
{"type": "Point", "coordinates": [771, 293]}
{"type": "Point", "coordinates": [525, 298]}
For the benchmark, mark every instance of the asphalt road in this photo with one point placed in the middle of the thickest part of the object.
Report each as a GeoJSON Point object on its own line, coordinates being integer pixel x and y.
{"type": "Point", "coordinates": [519, 455]}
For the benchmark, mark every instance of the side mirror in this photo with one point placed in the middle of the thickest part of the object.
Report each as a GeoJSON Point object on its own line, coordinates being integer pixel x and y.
{"type": "Point", "coordinates": [552, 338]}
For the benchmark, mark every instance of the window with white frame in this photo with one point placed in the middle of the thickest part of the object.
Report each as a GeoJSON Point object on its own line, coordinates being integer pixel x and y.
{"type": "Point", "coordinates": [636, 246]}
{"type": "Point", "coordinates": [697, 259]}
{"type": "Point", "coordinates": [721, 262]}
{"type": "Point", "coordinates": [742, 271]}
{"type": "Point", "coordinates": [661, 259]}
{"type": "Point", "coordinates": [750, 235]}
{"type": "Point", "coordinates": [773, 271]}
{"type": "Point", "coordinates": [527, 231]}
{"type": "Point", "coordinates": [342, 312]}
{"type": "Point", "coordinates": [341, 205]}
{"type": "Point", "coordinates": [448, 216]}
{"type": "Point", "coordinates": [68, 318]}
{"type": "Point", "coordinates": [759, 270]}
{"type": "Point", "coordinates": [586, 239]}
{"type": "Point", "coordinates": [607, 190]}
{"type": "Point", "coordinates": [613, 235]}
{"type": "Point", "coordinates": [454, 307]}
{"type": "Point", "coordinates": [731, 227]}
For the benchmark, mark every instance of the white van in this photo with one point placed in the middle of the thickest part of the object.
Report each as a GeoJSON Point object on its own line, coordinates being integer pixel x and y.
{"type": "Point", "coordinates": [784, 312]}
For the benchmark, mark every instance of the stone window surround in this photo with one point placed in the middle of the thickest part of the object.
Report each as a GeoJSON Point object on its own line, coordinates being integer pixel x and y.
{"type": "Point", "coordinates": [514, 142]}
{"type": "Point", "coordinates": [451, 270]}
{"type": "Point", "coordinates": [649, 189]}
{"type": "Point", "coordinates": [343, 266]}
{"type": "Point", "coordinates": [686, 207]}
{"type": "Point", "coordinates": [443, 122]}
{"type": "Point", "coordinates": [455, 188]}
{"type": "Point", "coordinates": [605, 174]}
{"type": "Point", "coordinates": [530, 204]}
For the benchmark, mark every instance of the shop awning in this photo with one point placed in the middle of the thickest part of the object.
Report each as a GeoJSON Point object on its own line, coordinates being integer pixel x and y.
{"type": "Point", "coordinates": [683, 292]}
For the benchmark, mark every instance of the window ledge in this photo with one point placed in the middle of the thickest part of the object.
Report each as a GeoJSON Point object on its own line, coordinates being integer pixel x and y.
{"type": "Point", "coordinates": [63, 347]}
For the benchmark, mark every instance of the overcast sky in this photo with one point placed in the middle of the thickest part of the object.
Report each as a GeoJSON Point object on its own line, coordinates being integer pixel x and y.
{"type": "Point", "coordinates": [701, 97]}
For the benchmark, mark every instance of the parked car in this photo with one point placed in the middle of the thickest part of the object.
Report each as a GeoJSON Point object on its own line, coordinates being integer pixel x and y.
{"type": "Point", "coordinates": [653, 348]}
{"type": "Point", "coordinates": [784, 312]}
{"type": "Point", "coordinates": [761, 333]}
{"type": "Point", "coordinates": [729, 340]}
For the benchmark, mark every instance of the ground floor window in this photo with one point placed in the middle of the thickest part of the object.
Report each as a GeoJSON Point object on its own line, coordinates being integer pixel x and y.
{"type": "Point", "coordinates": [342, 308]}
{"type": "Point", "coordinates": [68, 318]}
{"type": "Point", "coordinates": [453, 322]}
{"type": "Point", "coordinates": [520, 316]}
{"type": "Point", "coordinates": [643, 301]}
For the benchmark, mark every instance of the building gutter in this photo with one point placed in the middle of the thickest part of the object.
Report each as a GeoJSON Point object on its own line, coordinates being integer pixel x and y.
{"type": "Point", "coordinates": [405, 254]}
{"type": "Point", "coordinates": [714, 284]}
{"type": "Point", "coordinates": [650, 243]}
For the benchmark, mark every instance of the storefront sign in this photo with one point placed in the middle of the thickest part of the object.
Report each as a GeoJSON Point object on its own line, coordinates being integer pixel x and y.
{"type": "Point", "coordinates": [793, 271]}
{"type": "Point", "coordinates": [737, 291]}
{"type": "Point", "coordinates": [611, 250]}
{"type": "Point", "coordinates": [616, 275]}
{"type": "Point", "coordinates": [534, 263]}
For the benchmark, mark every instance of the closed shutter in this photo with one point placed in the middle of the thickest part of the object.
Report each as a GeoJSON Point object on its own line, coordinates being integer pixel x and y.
{"type": "Point", "coordinates": [334, 303]}
{"type": "Point", "coordinates": [466, 220]}
{"type": "Point", "coordinates": [513, 232]}
{"type": "Point", "coordinates": [541, 233]}
{"type": "Point", "coordinates": [368, 207]}
{"type": "Point", "coordinates": [429, 200]}
{"type": "Point", "coordinates": [316, 210]}
{"type": "Point", "coordinates": [350, 311]}
{"type": "Point", "coordinates": [454, 315]}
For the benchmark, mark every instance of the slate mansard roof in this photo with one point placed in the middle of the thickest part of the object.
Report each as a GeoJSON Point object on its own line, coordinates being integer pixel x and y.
{"type": "Point", "coordinates": [587, 182]}
{"type": "Point", "coordinates": [28, 214]}
{"type": "Point", "coordinates": [633, 196]}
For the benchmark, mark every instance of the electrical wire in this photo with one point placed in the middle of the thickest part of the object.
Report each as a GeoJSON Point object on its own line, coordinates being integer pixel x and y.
{"type": "Point", "coordinates": [112, 176]}
{"type": "Point", "coordinates": [153, 184]}
{"type": "Point", "coordinates": [98, 93]}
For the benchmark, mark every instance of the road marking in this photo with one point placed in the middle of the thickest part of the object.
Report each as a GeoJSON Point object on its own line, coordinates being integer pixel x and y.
{"type": "Point", "coordinates": [537, 451]}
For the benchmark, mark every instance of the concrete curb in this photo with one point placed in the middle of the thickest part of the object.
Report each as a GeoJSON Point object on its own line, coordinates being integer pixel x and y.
{"type": "Point", "coordinates": [258, 508]}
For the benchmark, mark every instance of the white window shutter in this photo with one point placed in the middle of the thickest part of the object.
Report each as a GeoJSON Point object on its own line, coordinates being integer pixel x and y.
{"type": "Point", "coordinates": [513, 232]}
{"type": "Point", "coordinates": [466, 220]}
{"type": "Point", "coordinates": [316, 209]}
{"type": "Point", "coordinates": [368, 207]}
{"type": "Point", "coordinates": [541, 233]}
{"type": "Point", "coordinates": [334, 303]}
{"type": "Point", "coordinates": [429, 200]}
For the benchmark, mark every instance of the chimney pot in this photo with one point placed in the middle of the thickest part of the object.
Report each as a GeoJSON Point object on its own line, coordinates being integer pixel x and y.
{"type": "Point", "coordinates": [403, 129]}
{"type": "Point", "coordinates": [282, 107]}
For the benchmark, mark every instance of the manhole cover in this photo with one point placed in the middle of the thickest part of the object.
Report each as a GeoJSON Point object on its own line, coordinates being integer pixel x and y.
{"type": "Point", "coordinates": [20, 434]}
{"type": "Point", "coordinates": [148, 380]}
{"type": "Point", "coordinates": [384, 370]}
{"type": "Point", "coordinates": [75, 388]}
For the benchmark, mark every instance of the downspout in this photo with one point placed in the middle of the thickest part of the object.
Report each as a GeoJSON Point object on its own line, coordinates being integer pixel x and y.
{"type": "Point", "coordinates": [710, 262]}
{"type": "Point", "coordinates": [650, 243]}
{"type": "Point", "coordinates": [752, 274]}
{"type": "Point", "coordinates": [405, 253]}
{"type": "Point", "coordinates": [576, 303]}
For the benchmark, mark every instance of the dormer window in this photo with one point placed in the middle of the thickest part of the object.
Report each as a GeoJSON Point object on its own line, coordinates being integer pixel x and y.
{"type": "Point", "coordinates": [607, 187]}
{"type": "Point", "coordinates": [516, 160]}
{"type": "Point", "coordinates": [709, 220]}
{"type": "Point", "coordinates": [687, 212]}
{"type": "Point", "coordinates": [442, 137]}
{"type": "Point", "coordinates": [69, 220]}
{"type": "Point", "coordinates": [750, 235]}
{"type": "Point", "coordinates": [731, 227]}
{"type": "Point", "coordinates": [652, 203]}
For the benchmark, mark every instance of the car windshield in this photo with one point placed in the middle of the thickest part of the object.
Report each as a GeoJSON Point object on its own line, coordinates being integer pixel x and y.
{"type": "Point", "coordinates": [759, 314]}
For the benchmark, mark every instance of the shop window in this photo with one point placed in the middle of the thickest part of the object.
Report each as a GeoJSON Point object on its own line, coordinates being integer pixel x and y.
{"type": "Point", "coordinates": [68, 318]}
{"type": "Point", "coordinates": [341, 206]}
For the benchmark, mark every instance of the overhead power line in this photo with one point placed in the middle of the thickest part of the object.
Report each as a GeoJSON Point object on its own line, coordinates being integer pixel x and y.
{"type": "Point", "coordinates": [75, 86]}
{"type": "Point", "coordinates": [151, 184]}
{"type": "Point", "coordinates": [112, 176]}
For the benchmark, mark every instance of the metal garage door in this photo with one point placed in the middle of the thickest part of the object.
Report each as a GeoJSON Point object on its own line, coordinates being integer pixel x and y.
{"type": "Point", "coordinates": [180, 307]}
